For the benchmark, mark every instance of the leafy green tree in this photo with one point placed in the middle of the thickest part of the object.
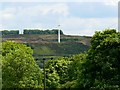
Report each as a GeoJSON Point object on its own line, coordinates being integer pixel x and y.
{"type": "Point", "coordinates": [74, 70]}
{"type": "Point", "coordinates": [75, 66]}
{"type": "Point", "coordinates": [101, 70]}
{"type": "Point", "coordinates": [63, 72]}
{"type": "Point", "coordinates": [11, 32]}
{"type": "Point", "coordinates": [19, 70]}
{"type": "Point", "coordinates": [57, 72]}
{"type": "Point", "coordinates": [53, 80]}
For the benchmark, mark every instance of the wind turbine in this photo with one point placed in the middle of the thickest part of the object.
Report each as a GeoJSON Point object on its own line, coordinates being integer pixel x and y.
{"type": "Point", "coordinates": [58, 34]}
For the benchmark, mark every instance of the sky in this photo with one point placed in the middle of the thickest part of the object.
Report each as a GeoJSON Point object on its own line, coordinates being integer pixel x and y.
{"type": "Point", "coordinates": [78, 17]}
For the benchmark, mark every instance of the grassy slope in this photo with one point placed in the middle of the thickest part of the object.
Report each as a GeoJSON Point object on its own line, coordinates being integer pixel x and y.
{"type": "Point", "coordinates": [47, 44]}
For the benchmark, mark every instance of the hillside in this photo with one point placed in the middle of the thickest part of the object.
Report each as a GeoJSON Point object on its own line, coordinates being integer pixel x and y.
{"type": "Point", "coordinates": [47, 45]}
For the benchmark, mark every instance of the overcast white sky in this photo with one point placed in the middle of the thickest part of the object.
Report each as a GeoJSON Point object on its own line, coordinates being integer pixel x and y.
{"type": "Point", "coordinates": [80, 17]}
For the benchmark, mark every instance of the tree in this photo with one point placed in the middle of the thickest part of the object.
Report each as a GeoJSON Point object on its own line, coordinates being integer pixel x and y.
{"type": "Point", "coordinates": [53, 80]}
{"type": "Point", "coordinates": [11, 32]}
{"type": "Point", "coordinates": [42, 32]}
{"type": "Point", "coordinates": [101, 70]}
{"type": "Point", "coordinates": [74, 70]}
{"type": "Point", "coordinates": [57, 72]}
{"type": "Point", "coordinates": [75, 66]}
{"type": "Point", "coordinates": [19, 70]}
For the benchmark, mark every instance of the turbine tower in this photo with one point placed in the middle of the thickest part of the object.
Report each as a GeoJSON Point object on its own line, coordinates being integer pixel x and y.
{"type": "Point", "coordinates": [58, 34]}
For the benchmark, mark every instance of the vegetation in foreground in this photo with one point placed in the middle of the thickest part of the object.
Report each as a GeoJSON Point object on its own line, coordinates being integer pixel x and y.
{"type": "Point", "coordinates": [96, 69]}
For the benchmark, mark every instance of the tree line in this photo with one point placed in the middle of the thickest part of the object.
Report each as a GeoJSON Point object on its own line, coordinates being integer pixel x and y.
{"type": "Point", "coordinates": [11, 32]}
{"type": "Point", "coordinates": [98, 68]}
{"type": "Point", "coordinates": [30, 31]}
{"type": "Point", "coordinates": [36, 31]}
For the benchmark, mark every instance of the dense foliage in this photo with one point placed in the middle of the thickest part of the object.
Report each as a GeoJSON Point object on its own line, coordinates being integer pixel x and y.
{"type": "Point", "coordinates": [96, 69]}
{"type": "Point", "coordinates": [10, 32]}
{"type": "Point", "coordinates": [57, 72]}
{"type": "Point", "coordinates": [37, 31]}
{"type": "Point", "coordinates": [63, 72]}
{"type": "Point", "coordinates": [101, 70]}
{"type": "Point", "coordinates": [19, 70]}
